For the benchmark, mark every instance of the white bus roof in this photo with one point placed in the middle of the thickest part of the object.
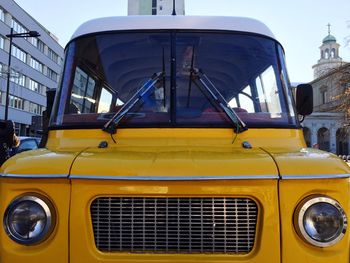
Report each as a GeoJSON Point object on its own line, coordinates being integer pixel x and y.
{"type": "Point", "coordinates": [173, 22]}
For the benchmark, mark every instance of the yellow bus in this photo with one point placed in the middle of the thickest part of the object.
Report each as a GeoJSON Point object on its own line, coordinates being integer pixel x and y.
{"type": "Point", "coordinates": [175, 139]}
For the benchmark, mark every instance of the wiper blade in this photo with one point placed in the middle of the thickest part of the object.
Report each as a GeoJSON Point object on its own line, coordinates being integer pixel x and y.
{"type": "Point", "coordinates": [111, 125]}
{"type": "Point", "coordinates": [217, 98]}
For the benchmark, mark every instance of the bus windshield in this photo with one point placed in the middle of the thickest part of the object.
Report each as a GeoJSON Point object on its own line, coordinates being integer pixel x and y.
{"type": "Point", "coordinates": [167, 79]}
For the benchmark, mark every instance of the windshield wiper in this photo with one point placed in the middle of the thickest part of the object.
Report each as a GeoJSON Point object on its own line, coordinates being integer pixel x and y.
{"type": "Point", "coordinates": [217, 98]}
{"type": "Point", "coordinates": [111, 125]}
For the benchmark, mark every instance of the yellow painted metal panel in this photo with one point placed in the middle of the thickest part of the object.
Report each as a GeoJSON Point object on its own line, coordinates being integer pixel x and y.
{"type": "Point", "coordinates": [284, 138]}
{"type": "Point", "coordinates": [174, 161]}
{"type": "Point", "coordinates": [294, 249]}
{"type": "Point", "coordinates": [306, 161]}
{"type": "Point", "coordinates": [264, 192]}
{"type": "Point", "coordinates": [41, 161]}
{"type": "Point", "coordinates": [174, 152]}
{"type": "Point", "coordinates": [55, 248]}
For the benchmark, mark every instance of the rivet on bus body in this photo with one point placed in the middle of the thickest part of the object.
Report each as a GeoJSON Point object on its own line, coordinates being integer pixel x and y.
{"type": "Point", "coordinates": [103, 144]}
{"type": "Point", "coordinates": [246, 145]}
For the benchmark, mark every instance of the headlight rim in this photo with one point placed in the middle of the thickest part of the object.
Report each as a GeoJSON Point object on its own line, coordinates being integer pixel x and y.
{"type": "Point", "coordinates": [299, 214]}
{"type": "Point", "coordinates": [50, 214]}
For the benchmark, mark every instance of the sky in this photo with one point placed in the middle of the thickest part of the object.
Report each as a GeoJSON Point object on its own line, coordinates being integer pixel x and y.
{"type": "Point", "coordinates": [299, 25]}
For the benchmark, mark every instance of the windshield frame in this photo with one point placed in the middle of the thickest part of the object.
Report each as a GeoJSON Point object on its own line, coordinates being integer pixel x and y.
{"type": "Point", "coordinates": [172, 32]}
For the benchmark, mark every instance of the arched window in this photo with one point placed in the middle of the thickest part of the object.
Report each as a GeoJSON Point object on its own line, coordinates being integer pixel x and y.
{"type": "Point", "coordinates": [326, 54]}
{"type": "Point", "coordinates": [307, 136]}
{"type": "Point", "coordinates": [323, 95]}
{"type": "Point", "coordinates": [323, 138]}
{"type": "Point", "coordinates": [333, 53]}
{"type": "Point", "coordinates": [322, 54]}
{"type": "Point", "coordinates": [342, 142]}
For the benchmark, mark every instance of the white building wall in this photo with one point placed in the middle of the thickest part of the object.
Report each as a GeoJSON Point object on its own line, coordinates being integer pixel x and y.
{"type": "Point", "coordinates": [139, 7]}
{"type": "Point", "coordinates": [323, 67]}
{"type": "Point", "coordinates": [161, 7]}
{"type": "Point", "coordinates": [165, 7]}
{"type": "Point", "coordinates": [331, 121]}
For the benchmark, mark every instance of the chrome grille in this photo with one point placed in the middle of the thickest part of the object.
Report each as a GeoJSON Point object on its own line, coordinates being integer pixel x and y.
{"type": "Point", "coordinates": [174, 225]}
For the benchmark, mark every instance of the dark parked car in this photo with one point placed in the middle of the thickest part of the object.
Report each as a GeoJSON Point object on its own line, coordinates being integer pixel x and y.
{"type": "Point", "coordinates": [26, 144]}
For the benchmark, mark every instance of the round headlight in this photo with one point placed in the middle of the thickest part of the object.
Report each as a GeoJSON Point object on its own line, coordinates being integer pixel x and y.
{"type": "Point", "coordinates": [29, 220]}
{"type": "Point", "coordinates": [321, 221]}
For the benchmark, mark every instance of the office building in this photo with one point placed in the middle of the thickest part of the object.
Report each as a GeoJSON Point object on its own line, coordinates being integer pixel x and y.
{"type": "Point", "coordinates": [35, 67]}
{"type": "Point", "coordinates": [155, 7]}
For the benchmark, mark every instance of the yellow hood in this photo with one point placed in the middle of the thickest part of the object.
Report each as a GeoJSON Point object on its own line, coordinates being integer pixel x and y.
{"type": "Point", "coordinates": [173, 162]}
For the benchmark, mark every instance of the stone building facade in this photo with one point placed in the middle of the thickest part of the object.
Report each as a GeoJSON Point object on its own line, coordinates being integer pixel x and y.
{"type": "Point", "coordinates": [328, 128]}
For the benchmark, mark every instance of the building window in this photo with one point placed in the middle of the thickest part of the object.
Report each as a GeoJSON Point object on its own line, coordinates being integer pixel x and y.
{"type": "Point", "coordinates": [15, 102]}
{"type": "Point", "coordinates": [36, 65]}
{"type": "Point", "coordinates": [324, 96]}
{"type": "Point", "coordinates": [18, 27]}
{"type": "Point", "coordinates": [326, 54]}
{"type": "Point", "coordinates": [53, 56]}
{"type": "Point", "coordinates": [2, 14]}
{"type": "Point", "coordinates": [52, 74]}
{"type": "Point", "coordinates": [36, 86]}
{"type": "Point", "coordinates": [18, 78]}
{"type": "Point", "coordinates": [35, 108]}
{"type": "Point", "coordinates": [40, 45]}
{"type": "Point", "coordinates": [323, 139]}
{"type": "Point", "coordinates": [154, 7]}
{"type": "Point", "coordinates": [19, 53]}
{"type": "Point", "coordinates": [33, 85]}
{"type": "Point", "coordinates": [2, 42]}
{"type": "Point", "coordinates": [42, 89]}
{"type": "Point", "coordinates": [33, 41]}
{"type": "Point", "coordinates": [333, 53]}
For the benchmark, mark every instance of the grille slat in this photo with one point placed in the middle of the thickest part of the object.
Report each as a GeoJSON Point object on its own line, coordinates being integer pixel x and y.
{"type": "Point", "coordinates": [174, 225]}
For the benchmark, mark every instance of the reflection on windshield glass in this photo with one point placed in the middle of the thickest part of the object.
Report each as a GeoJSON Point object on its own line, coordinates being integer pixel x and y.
{"type": "Point", "coordinates": [105, 101]}
{"type": "Point", "coordinates": [105, 71]}
{"type": "Point", "coordinates": [82, 99]}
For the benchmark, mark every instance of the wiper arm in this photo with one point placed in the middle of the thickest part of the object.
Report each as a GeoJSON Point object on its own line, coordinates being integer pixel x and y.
{"type": "Point", "coordinates": [217, 98]}
{"type": "Point", "coordinates": [111, 125]}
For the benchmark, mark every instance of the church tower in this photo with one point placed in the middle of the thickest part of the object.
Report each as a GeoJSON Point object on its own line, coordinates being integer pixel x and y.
{"type": "Point", "coordinates": [329, 55]}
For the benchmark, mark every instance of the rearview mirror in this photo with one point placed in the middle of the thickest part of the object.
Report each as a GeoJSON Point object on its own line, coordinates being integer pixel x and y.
{"type": "Point", "coordinates": [50, 98]}
{"type": "Point", "coordinates": [304, 99]}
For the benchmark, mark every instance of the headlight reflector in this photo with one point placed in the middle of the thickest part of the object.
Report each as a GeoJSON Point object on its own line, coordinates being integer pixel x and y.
{"type": "Point", "coordinates": [29, 220]}
{"type": "Point", "coordinates": [320, 221]}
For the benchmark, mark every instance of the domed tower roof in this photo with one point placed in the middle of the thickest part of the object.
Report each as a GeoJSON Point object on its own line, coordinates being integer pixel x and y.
{"type": "Point", "coordinates": [329, 59]}
{"type": "Point", "coordinates": [329, 39]}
